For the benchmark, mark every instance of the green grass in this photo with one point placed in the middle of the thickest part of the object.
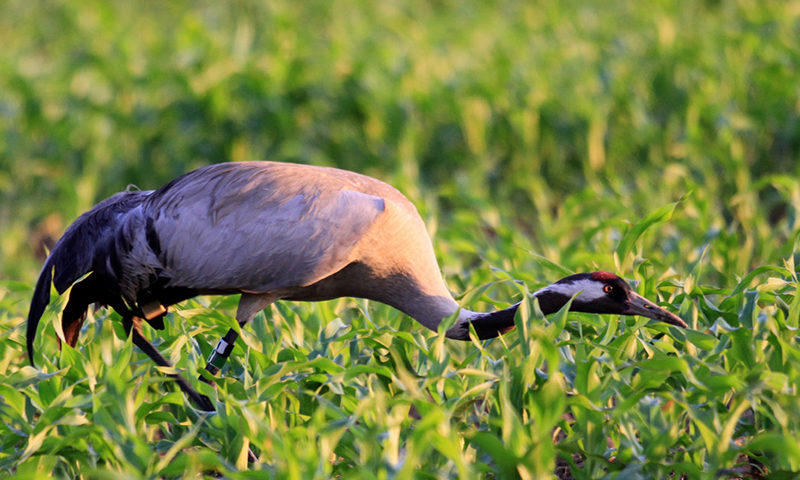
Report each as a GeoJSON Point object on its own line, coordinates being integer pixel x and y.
{"type": "Point", "coordinates": [657, 140]}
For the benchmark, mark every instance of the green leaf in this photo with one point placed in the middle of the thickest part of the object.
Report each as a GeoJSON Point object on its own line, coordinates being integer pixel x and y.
{"type": "Point", "coordinates": [700, 339]}
{"type": "Point", "coordinates": [491, 445]}
{"type": "Point", "coordinates": [783, 446]}
{"type": "Point", "coordinates": [660, 215]}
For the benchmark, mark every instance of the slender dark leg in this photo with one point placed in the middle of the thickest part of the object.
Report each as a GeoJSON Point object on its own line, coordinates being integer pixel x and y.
{"type": "Point", "coordinates": [249, 305]}
{"type": "Point", "coordinates": [133, 327]}
{"type": "Point", "coordinates": [215, 363]}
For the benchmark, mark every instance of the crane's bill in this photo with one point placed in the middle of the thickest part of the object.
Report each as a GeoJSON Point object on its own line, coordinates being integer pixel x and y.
{"type": "Point", "coordinates": [638, 305]}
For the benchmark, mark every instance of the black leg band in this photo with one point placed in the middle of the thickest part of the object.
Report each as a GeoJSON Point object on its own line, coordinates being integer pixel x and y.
{"type": "Point", "coordinates": [220, 354]}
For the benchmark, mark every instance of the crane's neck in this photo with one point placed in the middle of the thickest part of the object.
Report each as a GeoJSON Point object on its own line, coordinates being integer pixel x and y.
{"type": "Point", "coordinates": [486, 325]}
{"type": "Point", "coordinates": [492, 324]}
{"type": "Point", "coordinates": [432, 305]}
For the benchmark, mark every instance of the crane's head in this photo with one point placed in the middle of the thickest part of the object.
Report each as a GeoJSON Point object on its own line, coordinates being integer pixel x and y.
{"type": "Point", "coordinates": [602, 292]}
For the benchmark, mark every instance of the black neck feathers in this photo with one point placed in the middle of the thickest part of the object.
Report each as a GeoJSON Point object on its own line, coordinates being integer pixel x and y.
{"type": "Point", "coordinates": [550, 302]}
{"type": "Point", "coordinates": [486, 325]}
{"type": "Point", "coordinates": [490, 325]}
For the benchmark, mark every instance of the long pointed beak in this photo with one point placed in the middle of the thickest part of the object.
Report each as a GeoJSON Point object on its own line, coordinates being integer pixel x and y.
{"type": "Point", "coordinates": [638, 305]}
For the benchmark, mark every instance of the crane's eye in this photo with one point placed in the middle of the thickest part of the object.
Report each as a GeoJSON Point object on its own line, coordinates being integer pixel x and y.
{"type": "Point", "coordinates": [608, 288]}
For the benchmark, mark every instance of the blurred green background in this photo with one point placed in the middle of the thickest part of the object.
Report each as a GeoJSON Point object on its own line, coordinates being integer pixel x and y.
{"type": "Point", "coordinates": [546, 123]}
{"type": "Point", "coordinates": [660, 140]}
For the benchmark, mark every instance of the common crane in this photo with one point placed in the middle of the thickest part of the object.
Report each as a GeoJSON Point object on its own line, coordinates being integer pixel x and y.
{"type": "Point", "coordinates": [272, 231]}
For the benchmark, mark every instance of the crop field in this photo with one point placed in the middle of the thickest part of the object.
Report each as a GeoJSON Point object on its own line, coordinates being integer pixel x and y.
{"type": "Point", "coordinates": [658, 140]}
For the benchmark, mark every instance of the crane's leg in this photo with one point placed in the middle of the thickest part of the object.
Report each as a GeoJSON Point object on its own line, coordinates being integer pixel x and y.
{"type": "Point", "coordinates": [249, 305]}
{"type": "Point", "coordinates": [133, 325]}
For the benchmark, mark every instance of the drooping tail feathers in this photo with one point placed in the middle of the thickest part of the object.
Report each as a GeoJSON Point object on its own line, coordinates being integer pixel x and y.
{"type": "Point", "coordinates": [74, 254]}
{"type": "Point", "coordinates": [41, 297]}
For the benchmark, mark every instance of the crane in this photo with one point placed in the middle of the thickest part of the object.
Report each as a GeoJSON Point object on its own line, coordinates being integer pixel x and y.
{"type": "Point", "coordinates": [275, 231]}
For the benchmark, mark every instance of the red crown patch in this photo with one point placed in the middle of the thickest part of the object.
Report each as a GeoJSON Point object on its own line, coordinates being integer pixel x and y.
{"type": "Point", "coordinates": [603, 276]}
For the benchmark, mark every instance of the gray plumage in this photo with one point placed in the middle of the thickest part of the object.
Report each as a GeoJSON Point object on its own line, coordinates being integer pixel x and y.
{"type": "Point", "coordinates": [268, 231]}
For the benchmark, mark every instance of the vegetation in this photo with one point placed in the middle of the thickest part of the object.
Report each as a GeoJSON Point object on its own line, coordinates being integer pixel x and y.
{"type": "Point", "coordinates": [659, 140]}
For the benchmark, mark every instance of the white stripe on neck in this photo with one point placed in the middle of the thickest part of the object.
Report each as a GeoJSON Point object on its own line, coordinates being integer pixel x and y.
{"type": "Point", "coordinates": [590, 289]}
{"type": "Point", "coordinates": [465, 315]}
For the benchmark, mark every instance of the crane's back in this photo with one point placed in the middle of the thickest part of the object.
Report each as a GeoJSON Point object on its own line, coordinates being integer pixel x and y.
{"type": "Point", "coordinates": [265, 226]}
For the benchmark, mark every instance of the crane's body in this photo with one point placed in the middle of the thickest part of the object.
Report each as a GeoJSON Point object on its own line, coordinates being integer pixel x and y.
{"type": "Point", "coordinates": [272, 231]}
{"type": "Point", "coordinates": [295, 232]}
{"type": "Point", "coordinates": [263, 229]}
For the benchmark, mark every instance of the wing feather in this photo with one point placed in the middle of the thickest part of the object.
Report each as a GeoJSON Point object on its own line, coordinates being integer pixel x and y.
{"type": "Point", "coordinates": [262, 226]}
